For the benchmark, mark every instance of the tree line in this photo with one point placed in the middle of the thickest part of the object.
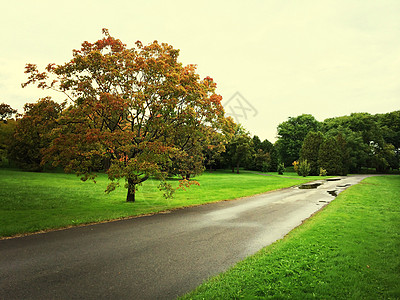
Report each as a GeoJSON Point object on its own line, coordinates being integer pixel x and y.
{"type": "Point", "coordinates": [138, 112]}
{"type": "Point", "coordinates": [337, 146]}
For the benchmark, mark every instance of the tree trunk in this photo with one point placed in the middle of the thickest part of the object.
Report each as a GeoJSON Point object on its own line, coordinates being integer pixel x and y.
{"type": "Point", "coordinates": [130, 197]}
{"type": "Point", "coordinates": [106, 163]}
{"type": "Point", "coordinates": [233, 169]}
{"type": "Point", "coordinates": [237, 169]}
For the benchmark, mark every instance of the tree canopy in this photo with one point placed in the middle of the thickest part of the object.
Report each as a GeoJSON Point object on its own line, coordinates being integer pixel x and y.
{"type": "Point", "coordinates": [310, 150]}
{"type": "Point", "coordinates": [31, 134]}
{"type": "Point", "coordinates": [291, 135]}
{"type": "Point", "coordinates": [6, 111]}
{"type": "Point", "coordinates": [137, 108]}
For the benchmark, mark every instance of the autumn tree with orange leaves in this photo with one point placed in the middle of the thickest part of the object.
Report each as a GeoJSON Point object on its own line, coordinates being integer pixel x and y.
{"type": "Point", "coordinates": [137, 108]}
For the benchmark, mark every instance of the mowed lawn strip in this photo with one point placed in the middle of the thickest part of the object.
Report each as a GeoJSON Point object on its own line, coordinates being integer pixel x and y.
{"type": "Point", "coordinates": [349, 250]}
{"type": "Point", "coordinates": [31, 202]}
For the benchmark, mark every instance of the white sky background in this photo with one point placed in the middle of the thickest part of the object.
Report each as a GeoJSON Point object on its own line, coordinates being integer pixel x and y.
{"type": "Point", "coordinates": [286, 58]}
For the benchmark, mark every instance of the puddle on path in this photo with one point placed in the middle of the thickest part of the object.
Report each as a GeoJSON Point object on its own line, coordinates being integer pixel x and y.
{"type": "Point", "coordinates": [333, 179]}
{"type": "Point", "coordinates": [344, 185]}
{"type": "Point", "coordinates": [333, 193]}
{"type": "Point", "coordinates": [307, 186]}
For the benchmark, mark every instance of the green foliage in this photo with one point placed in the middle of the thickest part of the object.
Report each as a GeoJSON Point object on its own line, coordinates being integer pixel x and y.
{"type": "Point", "coordinates": [390, 128]}
{"type": "Point", "coordinates": [6, 112]}
{"type": "Point", "coordinates": [281, 168]}
{"type": "Point", "coordinates": [344, 153]}
{"type": "Point", "coordinates": [383, 157]}
{"type": "Point", "coordinates": [329, 157]}
{"type": "Point", "coordinates": [310, 150]}
{"type": "Point", "coordinates": [304, 168]}
{"type": "Point", "coordinates": [262, 161]}
{"type": "Point", "coordinates": [6, 137]}
{"type": "Point", "coordinates": [239, 148]}
{"type": "Point", "coordinates": [322, 172]}
{"type": "Point", "coordinates": [349, 250]}
{"type": "Point", "coordinates": [32, 132]}
{"type": "Point", "coordinates": [291, 135]}
{"type": "Point", "coordinates": [367, 140]}
{"type": "Point", "coordinates": [268, 147]}
{"type": "Point", "coordinates": [264, 156]}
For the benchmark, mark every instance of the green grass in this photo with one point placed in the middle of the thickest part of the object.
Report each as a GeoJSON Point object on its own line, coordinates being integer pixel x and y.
{"type": "Point", "coordinates": [31, 202]}
{"type": "Point", "coordinates": [349, 250]}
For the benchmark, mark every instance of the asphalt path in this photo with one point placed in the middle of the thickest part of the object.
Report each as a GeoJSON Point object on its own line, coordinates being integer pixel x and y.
{"type": "Point", "coordinates": [155, 257]}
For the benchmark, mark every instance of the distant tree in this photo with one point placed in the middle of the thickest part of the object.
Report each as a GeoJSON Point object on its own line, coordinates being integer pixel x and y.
{"type": "Point", "coordinates": [257, 155]}
{"type": "Point", "coordinates": [215, 148]}
{"type": "Point", "coordinates": [357, 154]}
{"type": "Point", "coordinates": [329, 157]}
{"type": "Point", "coordinates": [268, 147]}
{"type": "Point", "coordinates": [344, 153]}
{"type": "Point", "coordinates": [261, 161]}
{"type": "Point", "coordinates": [6, 112]}
{"type": "Point", "coordinates": [239, 149]}
{"type": "Point", "coordinates": [291, 135]}
{"type": "Point", "coordinates": [390, 128]}
{"type": "Point", "coordinates": [6, 137]}
{"type": "Point", "coordinates": [363, 123]}
{"type": "Point", "coordinates": [264, 156]}
{"type": "Point", "coordinates": [310, 150]}
{"type": "Point", "coordinates": [383, 157]}
{"type": "Point", "coordinates": [257, 144]}
{"type": "Point", "coordinates": [32, 131]}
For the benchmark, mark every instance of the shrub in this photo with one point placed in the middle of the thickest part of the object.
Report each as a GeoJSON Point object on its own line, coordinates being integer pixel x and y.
{"type": "Point", "coordinates": [304, 168]}
{"type": "Point", "coordinates": [322, 172]}
{"type": "Point", "coordinates": [296, 166]}
{"type": "Point", "coordinates": [281, 168]}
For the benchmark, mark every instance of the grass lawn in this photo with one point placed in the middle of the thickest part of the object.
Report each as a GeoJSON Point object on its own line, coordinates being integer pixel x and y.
{"type": "Point", "coordinates": [349, 250]}
{"type": "Point", "coordinates": [31, 202]}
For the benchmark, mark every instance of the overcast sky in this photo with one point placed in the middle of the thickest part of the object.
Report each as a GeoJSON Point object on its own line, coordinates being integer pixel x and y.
{"type": "Point", "coordinates": [271, 59]}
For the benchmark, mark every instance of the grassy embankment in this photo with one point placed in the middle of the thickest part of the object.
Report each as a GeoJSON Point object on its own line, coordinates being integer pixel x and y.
{"type": "Point", "coordinates": [32, 202]}
{"type": "Point", "coordinates": [349, 250]}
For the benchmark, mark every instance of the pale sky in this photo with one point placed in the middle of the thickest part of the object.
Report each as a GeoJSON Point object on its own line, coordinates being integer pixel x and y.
{"type": "Point", "coordinates": [273, 58]}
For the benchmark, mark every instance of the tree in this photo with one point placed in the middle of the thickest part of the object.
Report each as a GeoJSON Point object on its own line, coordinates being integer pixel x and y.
{"type": "Point", "coordinates": [264, 156]}
{"type": "Point", "coordinates": [383, 157]}
{"type": "Point", "coordinates": [359, 131]}
{"type": "Point", "coordinates": [261, 160]}
{"type": "Point", "coordinates": [390, 127]}
{"type": "Point", "coordinates": [269, 148]}
{"type": "Point", "coordinates": [344, 153]}
{"type": "Point", "coordinates": [6, 137]}
{"type": "Point", "coordinates": [32, 131]}
{"type": "Point", "coordinates": [291, 135]}
{"type": "Point", "coordinates": [6, 112]}
{"type": "Point", "coordinates": [329, 157]}
{"type": "Point", "coordinates": [310, 150]}
{"type": "Point", "coordinates": [239, 148]}
{"type": "Point", "coordinates": [213, 152]}
{"type": "Point", "coordinates": [134, 107]}
{"type": "Point", "coordinates": [7, 127]}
